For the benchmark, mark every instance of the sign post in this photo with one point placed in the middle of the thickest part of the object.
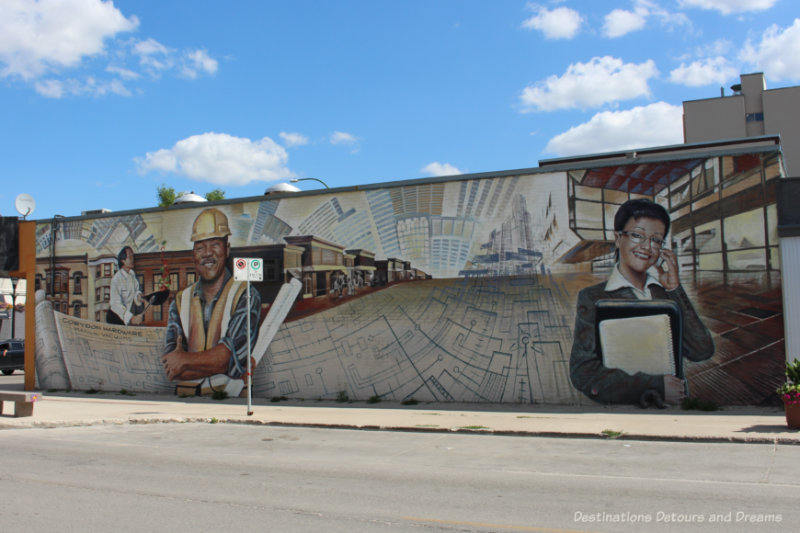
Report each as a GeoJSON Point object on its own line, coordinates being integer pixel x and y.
{"type": "Point", "coordinates": [248, 269]}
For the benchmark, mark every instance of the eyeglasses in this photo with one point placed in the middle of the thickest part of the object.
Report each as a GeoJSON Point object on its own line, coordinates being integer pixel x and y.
{"type": "Point", "coordinates": [638, 238]}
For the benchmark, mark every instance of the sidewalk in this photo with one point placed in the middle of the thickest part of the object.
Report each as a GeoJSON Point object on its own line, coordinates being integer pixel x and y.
{"type": "Point", "coordinates": [732, 424]}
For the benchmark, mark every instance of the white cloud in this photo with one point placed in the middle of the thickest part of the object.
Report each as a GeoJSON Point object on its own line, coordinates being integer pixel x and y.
{"type": "Point", "coordinates": [559, 23]}
{"type": "Point", "coordinates": [657, 124]}
{"type": "Point", "coordinates": [726, 7]}
{"type": "Point", "coordinates": [155, 59]}
{"type": "Point", "coordinates": [124, 73]}
{"type": "Point", "coordinates": [720, 47]}
{"type": "Point", "coordinates": [441, 169]}
{"type": "Point", "coordinates": [52, 88]}
{"type": "Point", "coordinates": [199, 60]}
{"type": "Point", "coordinates": [778, 53]}
{"type": "Point", "coordinates": [293, 139]}
{"type": "Point", "coordinates": [345, 139]}
{"type": "Point", "coordinates": [153, 56]}
{"type": "Point", "coordinates": [341, 137]}
{"type": "Point", "coordinates": [708, 71]}
{"type": "Point", "coordinates": [220, 159]}
{"type": "Point", "coordinates": [37, 38]}
{"type": "Point", "coordinates": [583, 85]}
{"type": "Point", "coordinates": [56, 45]}
{"type": "Point", "coordinates": [621, 22]}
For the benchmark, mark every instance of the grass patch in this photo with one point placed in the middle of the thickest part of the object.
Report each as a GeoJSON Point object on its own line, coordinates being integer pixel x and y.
{"type": "Point", "coordinates": [126, 392]}
{"type": "Point", "coordinates": [611, 433]}
{"type": "Point", "coordinates": [409, 401]}
{"type": "Point", "coordinates": [693, 404]}
{"type": "Point", "coordinates": [214, 420]}
{"type": "Point", "coordinates": [342, 396]}
{"type": "Point", "coordinates": [276, 399]}
{"type": "Point", "coordinates": [92, 391]}
{"type": "Point", "coordinates": [427, 425]}
{"type": "Point", "coordinates": [219, 395]}
{"type": "Point", "coordinates": [474, 427]}
{"type": "Point", "coordinates": [374, 399]}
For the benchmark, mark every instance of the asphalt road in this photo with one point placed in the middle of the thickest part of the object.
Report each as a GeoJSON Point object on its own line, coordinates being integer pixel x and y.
{"type": "Point", "coordinates": [225, 477]}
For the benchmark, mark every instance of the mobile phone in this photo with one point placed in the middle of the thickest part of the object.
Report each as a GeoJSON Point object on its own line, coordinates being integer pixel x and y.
{"type": "Point", "coordinates": [660, 261]}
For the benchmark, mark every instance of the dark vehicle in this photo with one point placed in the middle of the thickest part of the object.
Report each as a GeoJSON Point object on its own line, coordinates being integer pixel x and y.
{"type": "Point", "coordinates": [12, 355]}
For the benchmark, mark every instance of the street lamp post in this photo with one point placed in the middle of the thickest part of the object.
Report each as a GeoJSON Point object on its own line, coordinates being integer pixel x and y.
{"type": "Point", "coordinates": [295, 180]}
{"type": "Point", "coordinates": [13, 306]}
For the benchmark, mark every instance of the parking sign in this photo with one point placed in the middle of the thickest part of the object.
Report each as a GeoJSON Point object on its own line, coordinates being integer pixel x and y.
{"type": "Point", "coordinates": [248, 269]}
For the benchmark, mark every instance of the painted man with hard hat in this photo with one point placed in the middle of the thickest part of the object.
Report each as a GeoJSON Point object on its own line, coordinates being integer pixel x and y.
{"type": "Point", "coordinates": [207, 324]}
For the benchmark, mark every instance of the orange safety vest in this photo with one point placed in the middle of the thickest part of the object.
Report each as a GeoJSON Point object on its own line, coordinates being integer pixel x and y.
{"type": "Point", "coordinates": [190, 310]}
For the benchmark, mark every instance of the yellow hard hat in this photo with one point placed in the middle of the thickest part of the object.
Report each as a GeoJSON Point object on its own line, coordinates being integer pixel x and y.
{"type": "Point", "coordinates": [211, 223]}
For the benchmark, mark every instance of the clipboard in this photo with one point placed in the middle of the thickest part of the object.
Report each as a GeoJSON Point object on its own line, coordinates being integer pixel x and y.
{"type": "Point", "coordinates": [640, 335]}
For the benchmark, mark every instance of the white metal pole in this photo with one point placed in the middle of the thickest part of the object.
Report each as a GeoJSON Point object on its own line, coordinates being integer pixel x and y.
{"type": "Point", "coordinates": [249, 364]}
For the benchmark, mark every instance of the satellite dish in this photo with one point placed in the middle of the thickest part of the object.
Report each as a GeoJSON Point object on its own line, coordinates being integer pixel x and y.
{"type": "Point", "coordinates": [25, 204]}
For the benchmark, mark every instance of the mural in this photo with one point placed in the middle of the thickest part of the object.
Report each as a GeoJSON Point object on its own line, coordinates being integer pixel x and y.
{"type": "Point", "coordinates": [439, 290]}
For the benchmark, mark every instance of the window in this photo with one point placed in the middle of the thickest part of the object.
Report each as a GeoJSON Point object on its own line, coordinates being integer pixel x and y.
{"type": "Point", "coordinates": [174, 281]}
{"type": "Point", "coordinates": [76, 283]}
{"type": "Point", "coordinates": [745, 230]}
{"type": "Point", "coordinates": [76, 309]}
{"type": "Point", "coordinates": [270, 270]}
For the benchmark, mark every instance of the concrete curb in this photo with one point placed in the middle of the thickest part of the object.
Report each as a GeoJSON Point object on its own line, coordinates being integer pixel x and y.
{"type": "Point", "coordinates": [482, 431]}
{"type": "Point", "coordinates": [732, 425]}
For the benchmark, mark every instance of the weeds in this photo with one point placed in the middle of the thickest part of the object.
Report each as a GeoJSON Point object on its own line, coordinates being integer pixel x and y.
{"type": "Point", "coordinates": [694, 404]}
{"type": "Point", "coordinates": [219, 395]}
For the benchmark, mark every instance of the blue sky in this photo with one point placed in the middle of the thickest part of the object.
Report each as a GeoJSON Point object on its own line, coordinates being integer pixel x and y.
{"type": "Point", "coordinates": [102, 102]}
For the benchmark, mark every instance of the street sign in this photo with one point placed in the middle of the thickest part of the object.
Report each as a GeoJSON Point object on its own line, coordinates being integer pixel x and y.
{"type": "Point", "coordinates": [248, 269]}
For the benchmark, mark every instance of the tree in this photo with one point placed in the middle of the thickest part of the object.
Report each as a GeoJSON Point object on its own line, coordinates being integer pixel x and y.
{"type": "Point", "coordinates": [216, 194]}
{"type": "Point", "coordinates": [166, 196]}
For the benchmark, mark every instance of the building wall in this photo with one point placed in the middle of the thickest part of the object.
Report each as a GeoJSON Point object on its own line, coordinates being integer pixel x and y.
{"type": "Point", "coordinates": [782, 115]}
{"type": "Point", "coordinates": [714, 119]}
{"type": "Point", "coordinates": [482, 307]}
{"type": "Point", "coordinates": [790, 255]}
{"type": "Point", "coordinates": [753, 111]}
